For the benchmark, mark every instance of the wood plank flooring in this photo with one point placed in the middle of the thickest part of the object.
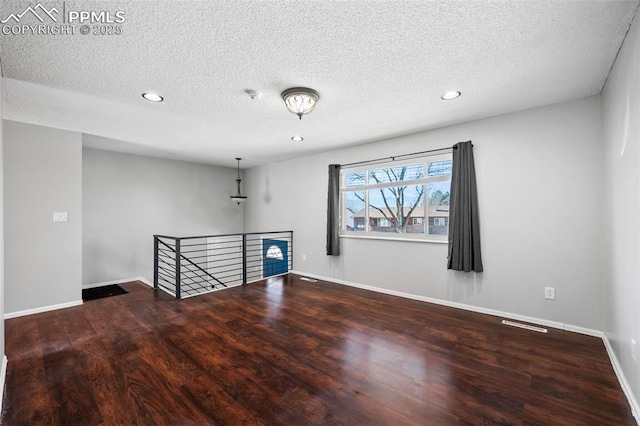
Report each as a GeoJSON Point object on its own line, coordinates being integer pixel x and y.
{"type": "Point", "coordinates": [291, 352]}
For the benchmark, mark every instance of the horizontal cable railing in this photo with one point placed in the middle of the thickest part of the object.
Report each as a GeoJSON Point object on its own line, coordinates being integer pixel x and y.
{"type": "Point", "coordinates": [188, 266]}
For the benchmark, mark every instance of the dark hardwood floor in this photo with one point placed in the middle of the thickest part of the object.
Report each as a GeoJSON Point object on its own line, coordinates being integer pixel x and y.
{"type": "Point", "coordinates": [292, 352]}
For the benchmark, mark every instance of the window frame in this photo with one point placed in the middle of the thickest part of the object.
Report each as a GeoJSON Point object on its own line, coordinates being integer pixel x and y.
{"type": "Point", "coordinates": [367, 233]}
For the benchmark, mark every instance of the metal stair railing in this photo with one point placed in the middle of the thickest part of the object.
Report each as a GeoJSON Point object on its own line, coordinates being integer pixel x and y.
{"type": "Point", "coordinates": [188, 266]}
{"type": "Point", "coordinates": [183, 257]}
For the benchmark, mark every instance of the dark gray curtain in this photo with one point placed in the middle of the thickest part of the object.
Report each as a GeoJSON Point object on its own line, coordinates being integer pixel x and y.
{"type": "Point", "coordinates": [464, 226]}
{"type": "Point", "coordinates": [333, 211]}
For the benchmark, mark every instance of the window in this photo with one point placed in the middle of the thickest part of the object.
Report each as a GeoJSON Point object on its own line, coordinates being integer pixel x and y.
{"type": "Point", "coordinates": [383, 223]}
{"type": "Point", "coordinates": [274, 252]}
{"type": "Point", "coordinates": [397, 199]}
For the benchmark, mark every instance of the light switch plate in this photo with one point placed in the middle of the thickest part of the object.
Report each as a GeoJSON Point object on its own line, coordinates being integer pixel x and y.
{"type": "Point", "coordinates": [60, 217]}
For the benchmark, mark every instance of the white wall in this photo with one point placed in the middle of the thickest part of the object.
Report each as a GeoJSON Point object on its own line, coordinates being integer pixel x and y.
{"type": "Point", "coordinates": [539, 189]}
{"type": "Point", "coordinates": [126, 199]}
{"type": "Point", "coordinates": [621, 224]}
{"type": "Point", "coordinates": [1, 237]}
{"type": "Point", "coordinates": [42, 175]}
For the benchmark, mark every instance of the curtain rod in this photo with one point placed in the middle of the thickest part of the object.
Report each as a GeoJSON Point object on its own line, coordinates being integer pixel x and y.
{"type": "Point", "coordinates": [357, 163]}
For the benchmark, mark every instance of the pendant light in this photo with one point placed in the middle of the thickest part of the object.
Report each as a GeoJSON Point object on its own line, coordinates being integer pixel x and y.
{"type": "Point", "coordinates": [238, 198]}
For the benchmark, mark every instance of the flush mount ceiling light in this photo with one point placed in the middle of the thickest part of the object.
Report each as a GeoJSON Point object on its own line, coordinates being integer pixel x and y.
{"type": "Point", "coordinates": [300, 100]}
{"type": "Point", "coordinates": [153, 97]}
{"type": "Point", "coordinates": [297, 138]}
{"type": "Point", "coordinates": [450, 95]}
{"type": "Point", "coordinates": [238, 198]}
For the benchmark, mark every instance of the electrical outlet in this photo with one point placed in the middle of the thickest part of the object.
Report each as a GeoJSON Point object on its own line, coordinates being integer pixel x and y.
{"type": "Point", "coordinates": [304, 257]}
{"type": "Point", "coordinates": [60, 217]}
{"type": "Point", "coordinates": [550, 293]}
{"type": "Point", "coordinates": [634, 352]}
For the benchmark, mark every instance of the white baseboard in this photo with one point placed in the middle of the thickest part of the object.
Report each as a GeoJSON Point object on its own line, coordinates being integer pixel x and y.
{"type": "Point", "coordinates": [74, 303]}
{"type": "Point", "coordinates": [3, 376]}
{"type": "Point", "coordinates": [125, 280]}
{"type": "Point", "coordinates": [622, 379]}
{"type": "Point", "coordinates": [42, 309]}
{"type": "Point", "coordinates": [479, 309]}
{"type": "Point", "coordinates": [582, 330]}
{"type": "Point", "coordinates": [145, 281]}
{"type": "Point", "coordinates": [122, 281]}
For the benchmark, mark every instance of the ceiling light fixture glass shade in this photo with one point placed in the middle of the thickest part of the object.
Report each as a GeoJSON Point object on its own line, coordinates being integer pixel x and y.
{"type": "Point", "coordinates": [238, 198]}
{"type": "Point", "coordinates": [300, 100]}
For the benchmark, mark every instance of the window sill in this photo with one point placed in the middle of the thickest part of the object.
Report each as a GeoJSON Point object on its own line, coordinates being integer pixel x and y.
{"type": "Point", "coordinates": [376, 237]}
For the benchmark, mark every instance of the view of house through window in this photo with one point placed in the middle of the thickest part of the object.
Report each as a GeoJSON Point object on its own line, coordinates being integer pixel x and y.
{"type": "Point", "coordinates": [408, 199]}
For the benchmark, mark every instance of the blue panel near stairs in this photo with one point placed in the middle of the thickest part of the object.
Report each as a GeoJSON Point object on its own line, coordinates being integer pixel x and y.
{"type": "Point", "coordinates": [276, 257]}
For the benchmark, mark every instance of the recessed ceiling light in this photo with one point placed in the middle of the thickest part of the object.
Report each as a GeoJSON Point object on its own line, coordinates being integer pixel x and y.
{"type": "Point", "coordinates": [297, 138]}
{"type": "Point", "coordinates": [450, 95]}
{"type": "Point", "coordinates": [152, 97]}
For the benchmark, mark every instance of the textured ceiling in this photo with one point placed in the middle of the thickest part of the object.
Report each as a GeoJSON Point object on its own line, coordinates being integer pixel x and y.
{"type": "Point", "coordinates": [380, 68]}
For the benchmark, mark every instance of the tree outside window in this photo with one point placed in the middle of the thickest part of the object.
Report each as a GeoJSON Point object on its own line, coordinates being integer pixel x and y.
{"type": "Point", "coordinates": [391, 199]}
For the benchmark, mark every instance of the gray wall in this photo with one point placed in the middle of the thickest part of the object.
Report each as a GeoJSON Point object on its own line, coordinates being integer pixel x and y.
{"type": "Point", "coordinates": [1, 236]}
{"type": "Point", "coordinates": [42, 175]}
{"type": "Point", "coordinates": [539, 183]}
{"type": "Point", "coordinates": [621, 224]}
{"type": "Point", "coordinates": [126, 199]}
